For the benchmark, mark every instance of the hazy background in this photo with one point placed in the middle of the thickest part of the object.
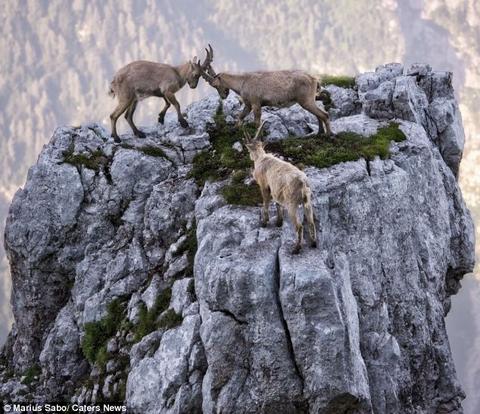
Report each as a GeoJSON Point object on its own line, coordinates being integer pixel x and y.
{"type": "Point", "coordinates": [57, 58]}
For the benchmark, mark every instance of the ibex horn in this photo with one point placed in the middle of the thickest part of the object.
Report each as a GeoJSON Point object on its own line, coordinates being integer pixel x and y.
{"type": "Point", "coordinates": [247, 136]}
{"type": "Point", "coordinates": [259, 130]}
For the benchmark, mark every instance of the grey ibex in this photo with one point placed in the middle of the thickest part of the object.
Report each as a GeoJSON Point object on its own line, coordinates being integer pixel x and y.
{"type": "Point", "coordinates": [280, 88]}
{"type": "Point", "coordinates": [285, 184]}
{"type": "Point", "coordinates": [141, 79]}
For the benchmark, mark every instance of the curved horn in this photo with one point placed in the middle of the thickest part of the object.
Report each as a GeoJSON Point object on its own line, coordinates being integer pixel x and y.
{"type": "Point", "coordinates": [246, 135]}
{"type": "Point", "coordinates": [209, 59]}
{"type": "Point", "coordinates": [259, 130]}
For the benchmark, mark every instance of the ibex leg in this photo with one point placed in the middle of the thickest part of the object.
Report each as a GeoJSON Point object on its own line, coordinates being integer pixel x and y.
{"type": "Point", "coordinates": [279, 215]}
{"type": "Point", "coordinates": [307, 208]}
{"type": "Point", "coordinates": [266, 196]}
{"type": "Point", "coordinates": [171, 98]}
{"type": "Point", "coordinates": [129, 118]}
{"type": "Point", "coordinates": [292, 213]}
{"type": "Point", "coordinates": [322, 116]}
{"type": "Point", "coordinates": [119, 110]}
{"type": "Point", "coordinates": [246, 110]}
{"type": "Point", "coordinates": [161, 115]}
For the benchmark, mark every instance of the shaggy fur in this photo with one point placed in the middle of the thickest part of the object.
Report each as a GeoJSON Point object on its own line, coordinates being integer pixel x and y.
{"type": "Point", "coordinates": [283, 183]}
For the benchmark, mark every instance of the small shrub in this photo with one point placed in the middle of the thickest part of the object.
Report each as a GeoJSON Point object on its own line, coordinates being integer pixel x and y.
{"type": "Point", "coordinates": [147, 321]}
{"type": "Point", "coordinates": [341, 81]}
{"type": "Point", "coordinates": [93, 161]}
{"type": "Point", "coordinates": [98, 333]}
{"type": "Point", "coordinates": [239, 193]}
{"type": "Point", "coordinates": [221, 160]}
{"type": "Point", "coordinates": [31, 373]}
{"type": "Point", "coordinates": [147, 150]}
{"type": "Point", "coordinates": [170, 319]}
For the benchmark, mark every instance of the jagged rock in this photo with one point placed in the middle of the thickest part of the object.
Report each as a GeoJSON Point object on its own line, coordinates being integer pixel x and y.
{"type": "Point", "coordinates": [161, 383]}
{"type": "Point", "coordinates": [60, 358]}
{"type": "Point", "coordinates": [345, 327]}
{"type": "Point", "coordinates": [360, 124]}
{"type": "Point", "coordinates": [181, 297]}
{"type": "Point", "coordinates": [378, 102]}
{"type": "Point", "coordinates": [345, 102]}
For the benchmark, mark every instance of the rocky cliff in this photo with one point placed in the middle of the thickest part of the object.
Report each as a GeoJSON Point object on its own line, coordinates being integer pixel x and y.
{"type": "Point", "coordinates": [139, 277]}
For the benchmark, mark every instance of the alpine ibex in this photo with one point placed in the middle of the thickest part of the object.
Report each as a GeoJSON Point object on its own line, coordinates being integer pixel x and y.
{"type": "Point", "coordinates": [281, 88]}
{"type": "Point", "coordinates": [285, 184]}
{"type": "Point", "coordinates": [141, 79]}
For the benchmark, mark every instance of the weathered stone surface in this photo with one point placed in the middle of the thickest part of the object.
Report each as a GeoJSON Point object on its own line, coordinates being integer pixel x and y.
{"type": "Point", "coordinates": [167, 381]}
{"type": "Point", "coordinates": [345, 102]}
{"type": "Point", "coordinates": [355, 325]}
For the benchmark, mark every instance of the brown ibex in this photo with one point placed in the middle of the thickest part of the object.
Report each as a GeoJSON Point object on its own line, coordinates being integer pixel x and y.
{"type": "Point", "coordinates": [285, 184]}
{"type": "Point", "coordinates": [281, 88]}
{"type": "Point", "coordinates": [141, 79]}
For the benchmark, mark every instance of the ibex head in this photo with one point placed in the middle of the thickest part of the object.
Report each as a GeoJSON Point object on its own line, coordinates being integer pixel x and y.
{"type": "Point", "coordinates": [197, 68]}
{"type": "Point", "coordinates": [212, 78]}
{"type": "Point", "coordinates": [254, 145]}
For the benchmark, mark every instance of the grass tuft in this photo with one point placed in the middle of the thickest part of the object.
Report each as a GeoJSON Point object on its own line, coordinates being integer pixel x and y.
{"type": "Point", "coordinates": [93, 161]}
{"type": "Point", "coordinates": [148, 318]}
{"type": "Point", "coordinates": [147, 150]}
{"type": "Point", "coordinates": [170, 319]}
{"type": "Point", "coordinates": [239, 193]}
{"type": "Point", "coordinates": [337, 80]}
{"type": "Point", "coordinates": [98, 333]}
{"type": "Point", "coordinates": [347, 146]}
{"type": "Point", "coordinates": [31, 373]}
{"type": "Point", "coordinates": [221, 160]}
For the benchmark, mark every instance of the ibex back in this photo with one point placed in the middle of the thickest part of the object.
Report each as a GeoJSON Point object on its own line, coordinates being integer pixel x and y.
{"type": "Point", "coordinates": [277, 88]}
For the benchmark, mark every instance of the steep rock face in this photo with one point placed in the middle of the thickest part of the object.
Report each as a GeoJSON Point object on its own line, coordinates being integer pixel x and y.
{"type": "Point", "coordinates": [131, 282]}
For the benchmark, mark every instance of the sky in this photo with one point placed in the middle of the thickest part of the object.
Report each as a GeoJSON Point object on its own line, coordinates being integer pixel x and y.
{"type": "Point", "coordinates": [57, 58]}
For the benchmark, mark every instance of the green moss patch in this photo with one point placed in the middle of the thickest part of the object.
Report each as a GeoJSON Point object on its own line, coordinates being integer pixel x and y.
{"type": "Point", "coordinates": [341, 81]}
{"type": "Point", "coordinates": [93, 161]}
{"type": "Point", "coordinates": [221, 160]}
{"type": "Point", "coordinates": [170, 319]}
{"type": "Point", "coordinates": [149, 150]}
{"type": "Point", "coordinates": [98, 333]}
{"type": "Point", "coordinates": [239, 193]}
{"type": "Point", "coordinates": [31, 373]}
{"type": "Point", "coordinates": [148, 318]}
{"type": "Point", "coordinates": [346, 146]}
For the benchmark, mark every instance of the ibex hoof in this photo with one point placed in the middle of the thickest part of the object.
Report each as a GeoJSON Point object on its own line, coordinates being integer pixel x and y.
{"type": "Point", "coordinates": [279, 223]}
{"type": "Point", "coordinates": [313, 244]}
{"type": "Point", "coordinates": [183, 123]}
{"type": "Point", "coordinates": [116, 139]}
{"type": "Point", "coordinates": [140, 134]}
{"type": "Point", "coordinates": [263, 224]}
{"type": "Point", "coordinates": [161, 120]}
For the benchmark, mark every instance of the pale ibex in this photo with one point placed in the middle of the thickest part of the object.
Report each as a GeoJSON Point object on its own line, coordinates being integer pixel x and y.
{"type": "Point", "coordinates": [281, 88]}
{"type": "Point", "coordinates": [285, 184]}
{"type": "Point", "coordinates": [141, 79]}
